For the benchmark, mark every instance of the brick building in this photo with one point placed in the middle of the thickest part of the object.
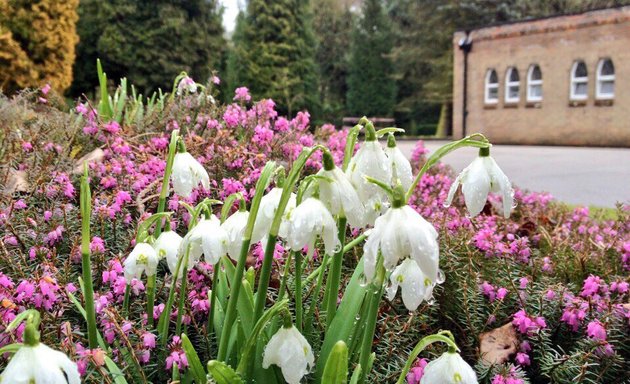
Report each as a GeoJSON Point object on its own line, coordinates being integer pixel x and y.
{"type": "Point", "coordinates": [561, 80]}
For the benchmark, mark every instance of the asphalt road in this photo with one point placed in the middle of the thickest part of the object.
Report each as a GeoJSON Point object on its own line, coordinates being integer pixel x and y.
{"type": "Point", "coordinates": [575, 175]}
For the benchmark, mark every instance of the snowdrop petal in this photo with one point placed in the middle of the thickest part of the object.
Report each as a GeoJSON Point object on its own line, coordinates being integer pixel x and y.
{"type": "Point", "coordinates": [449, 368]}
{"type": "Point", "coordinates": [289, 350]}
{"type": "Point", "coordinates": [476, 187]}
{"type": "Point", "coordinates": [167, 245]}
{"type": "Point", "coordinates": [501, 184]}
{"type": "Point", "coordinates": [187, 173]}
{"type": "Point", "coordinates": [143, 258]}
{"type": "Point", "coordinates": [401, 167]}
{"type": "Point", "coordinates": [40, 364]}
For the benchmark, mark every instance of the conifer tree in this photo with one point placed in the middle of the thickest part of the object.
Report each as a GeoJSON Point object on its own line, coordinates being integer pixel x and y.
{"type": "Point", "coordinates": [37, 43]}
{"type": "Point", "coordinates": [371, 88]}
{"type": "Point", "coordinates": [276, 54]}
{"type": "Point", "coordinates": [149, 42]}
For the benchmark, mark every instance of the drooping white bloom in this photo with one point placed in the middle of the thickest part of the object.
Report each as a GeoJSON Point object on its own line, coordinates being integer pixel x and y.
{"type": "Point", "coordinates": [399, 233]}
{"type": "Point", "coordinates": [207, 238]}
{"type": "Point", "coordinates": [186, 84]}
{"type": "Point", "coordinates": [267, 211]}
{"type": "Point", "coordinates": [234, 227]}
{"type": "Point", "coordinates": [415, 286]}
{"type": "Point", "coordinates": [449, 368]}
{"type": "Point", "coordinates": [167, 245]}
{"type": "Point", "coordinates": [370, 160]}
{"type": "Point", "coordinates": [40, 364]}
{"type": "Point", "coordinates": [307, 221]}
{"type": "Point", "coordinates": [187, 174]}
{"type": "Point", "coordinates": [290, 351]}
{"type": "Point", "coordinates": [482, 176]}
{"type": "Point", "coordinates": [143, 258]}
{"type": "Point", "coordinates": [401, 167]}
{"type": "Point", "coordinates": [338, 194]}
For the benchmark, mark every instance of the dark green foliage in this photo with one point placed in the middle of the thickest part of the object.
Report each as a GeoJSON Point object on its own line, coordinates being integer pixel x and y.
{"type": "Point", "coordinates": [332, 24]}
{"type": "Point", "coordinates": [371, 88]}
{"type": "Point", "coordinates": [149, 42]}
{"type": "Point", "coordinates": [274, 56]}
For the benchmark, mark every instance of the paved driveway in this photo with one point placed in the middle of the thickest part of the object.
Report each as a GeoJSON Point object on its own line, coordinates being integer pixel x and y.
{"type": "Point", "coordinates": [576, 175]}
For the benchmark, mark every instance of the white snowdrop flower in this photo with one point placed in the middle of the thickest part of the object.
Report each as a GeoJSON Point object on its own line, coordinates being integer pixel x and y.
{"type": "Point", "coordinates": [167, 245]}
{"type": "Point", "coordinates": [290, 351]}
{"type": "Point", "coordinates": [143, 258]}
{"type": "Point", "coordinates": [399, 233]}
{"type": "Point", "coordinates": [187, 174]}
{"type": "Point", "coordinates": [266, 213]}
{"type": "Point", "coordinates": [482, 176]}
{"type": "Point", "coordinates": [400, 165]}
{"type": "Point", "coordinates": [449, 368]}
{"type": "Point", "coordinates": [338, 194]}
{"type": "Point", "coordinates": [186, 84]}
{"type": "Point", "coordinates": [415, 286]}
{"type": "Point", "coordinates": [40, 364]}
{"type": "Point", "coordinates": [307, 221]}
{"type": "Point", "coordinates": [207, 238]}
{"type": "Point", "coordinates": [234, 226]}
{"type": "Point", "coordinates": [370, 160]}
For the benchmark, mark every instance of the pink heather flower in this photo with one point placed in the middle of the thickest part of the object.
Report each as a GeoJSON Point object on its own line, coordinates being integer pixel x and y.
{"type": "Point", "coordinates": [20, 204]}
{"type": "Point", "coordinates": [620, 287]}
{"type": "Point", "coordinates": [242, 94]}
{"type": "Point", "coordinates": [27, 146]}
{"type": "Point", "coordinates": [591, 286]}
{"type": "Point", "coordinates": [42, 100]}
{"type": "Point", "coordinates": [47, 215]}
{"type": "Point", "coordinates": [418, 152]}
{"type": "Point", "coordinates": [488, 290]}
{"type": "Point", "coordinates": [573, 316]}
{"type": "Point", "coordinates": [281, 125]}
{"type": "Point", "coordinates": [501, 293]}
{"type": "Point", "coordinates": [523, 282]}
{"type": "Point", "coordinates": [215, 80]}
{"type": "Point", "coordinates": [595, 330]}
{"type": "Point", "coordinates": [522, 359]}
{"type": "Point", "coordinates": [97, 245]}
{"type": "Point", "coordinates": [148, 340]}
{"type": "Point", "coordinates": [232, 116]}
{"type": "Point", "coordinates": [112, 127]}
{"type": "Point", "coordinates": [212, 124]}
{"type": "Point", "coordinates": [301, 121]}
{"type": "Point", "coordinates": [550, 294]}
{"type": "Point", "coordinates": [262, 135]}
{"type": "Point", "coordinates": [45, 89]}
{"type": "Point", "coordinates": [81, 108]}
{"type": "Point", "coordinates": [527, 325]}
{"type": "Point", "coordinates": [417, 371]}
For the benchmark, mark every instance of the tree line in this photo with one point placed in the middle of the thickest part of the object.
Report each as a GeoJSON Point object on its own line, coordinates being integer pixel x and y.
{"type": "Point", "coordinates": [389, 58]}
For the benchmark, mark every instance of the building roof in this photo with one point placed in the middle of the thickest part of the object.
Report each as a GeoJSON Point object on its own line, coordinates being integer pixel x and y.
{"type": "Point", "coordinates": [554, 23]}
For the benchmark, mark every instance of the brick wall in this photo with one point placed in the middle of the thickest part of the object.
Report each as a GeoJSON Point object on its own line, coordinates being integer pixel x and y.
{"type": "Point", "coordinates": [554, 44]}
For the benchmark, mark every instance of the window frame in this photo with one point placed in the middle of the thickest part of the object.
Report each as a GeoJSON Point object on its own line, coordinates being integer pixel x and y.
{"type": "Point", "coordinates": [488, 86]}
{"type": "Point", "coordinates": [604, 78]}
{"type": "Point", "coordinates": [532, 83]}
{"type": "Point", "coordinates": [575, 81]}
{"type": "Point", "coordinates": [510, 84]}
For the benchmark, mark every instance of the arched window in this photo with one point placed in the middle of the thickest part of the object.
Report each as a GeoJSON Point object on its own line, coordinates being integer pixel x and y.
{"type": "Point", "coordinates": [579, 81]}
{"type": "Point", "coordinates": [512, 86]}
{"type": "Point", "coordinates": [492, 87]}
{"type": "Point", "coordinates": [605, 88]}
{"type": "Point", "coordinates": [534, 83]}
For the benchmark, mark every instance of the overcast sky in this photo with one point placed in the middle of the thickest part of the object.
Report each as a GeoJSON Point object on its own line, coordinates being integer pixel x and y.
{"type": "Point", "coordinates": [229, 14]}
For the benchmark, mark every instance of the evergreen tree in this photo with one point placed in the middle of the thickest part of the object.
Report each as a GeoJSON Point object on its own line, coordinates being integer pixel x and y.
{"type": "Point", "coordinates": [371, 88]}
{"type": "Point", "coordinates": [149, 42]}
{"type": "Point", "coordinates": [37, 43]}
{"type": "Point", "coordinates": [332, 24]}
{"type": "Point", "coordinates": [275, 57]}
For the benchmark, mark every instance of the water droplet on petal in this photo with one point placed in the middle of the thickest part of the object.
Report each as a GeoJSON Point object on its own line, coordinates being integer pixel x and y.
{"type": "Point", "coordinates": [431, 300]}
{"type": "Point", "coordinates": [362, 280]}
{"type": "Point", "coordinates": [357, 317]}
{"type": "Point", "coordinates": [441, 277]}
{"type": "Point", "coordinates": [446, 204]}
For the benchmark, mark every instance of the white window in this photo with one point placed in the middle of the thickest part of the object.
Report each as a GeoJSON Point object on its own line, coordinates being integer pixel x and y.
{"type": "Point", "coordinates": [579, 81]}
{"type": "Point", "coordinates": [534, 83]}
{"type": "Point", "coordinates": [605, 88]}
{"type": "Point", "coordinates": [492, 87]}
{"type": "Point", "coordinates": [512, 85]}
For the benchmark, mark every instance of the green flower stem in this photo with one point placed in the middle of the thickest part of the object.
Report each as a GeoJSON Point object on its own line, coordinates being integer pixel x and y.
{"type": "Point", "coordinates": [317, 272]}
{"type": "Point", "coordinates": [166, 314]}
{"type": "Point", "coordinates": [422, 344]}
{"type": "Point", "coordinates": [151, 281]}
{"type": "Point", "coordinates": [375, 291]}
{"type": "Point", "coordinates": [265, 271]}
{"type": "Point", "coordinates": [126, 299]}
{"type": "Point", "coordinates": [316, 291]}
{"type": "Point", "coordinates": [298, 290]}
{"type": "Point", "coordinates": [213, 295]}
{"type": "Point", "coordinates": [86, 264]}
{"type": "Point", "coordinates": [476, 140]}
{"type": "Point", "coordinates": [230, 314]}
{"type": "Point", "coordinates": [334, 277]}
{"type": "Point", "coordinates": [182, 301]}
{"type": "Point", "coordinates": [283, 282]}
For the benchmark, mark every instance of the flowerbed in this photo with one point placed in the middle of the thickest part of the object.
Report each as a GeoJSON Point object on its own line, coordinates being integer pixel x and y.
{"type": "Point", "coordinates": [556, 278]}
